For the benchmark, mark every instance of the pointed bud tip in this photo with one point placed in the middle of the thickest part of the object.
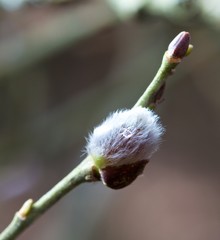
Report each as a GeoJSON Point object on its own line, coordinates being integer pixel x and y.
{"type": "Point", "coordinates": [25, 209]}
{"type": "Point", "coordinates": [179, 46]}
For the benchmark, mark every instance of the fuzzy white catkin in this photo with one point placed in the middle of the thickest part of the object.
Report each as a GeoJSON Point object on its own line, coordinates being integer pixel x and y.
{"type": "Point", "coordinates": [126, 136]}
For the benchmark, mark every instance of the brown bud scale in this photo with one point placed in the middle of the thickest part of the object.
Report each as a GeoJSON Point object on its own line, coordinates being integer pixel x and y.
{"type": "Point", "coordinates": [122, 176]}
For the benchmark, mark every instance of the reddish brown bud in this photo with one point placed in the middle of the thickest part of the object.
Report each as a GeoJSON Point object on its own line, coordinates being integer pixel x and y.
{"type": "Point", "coordinates": [122, 176]}
{"type": "Point", "coordinates": [179, 46]}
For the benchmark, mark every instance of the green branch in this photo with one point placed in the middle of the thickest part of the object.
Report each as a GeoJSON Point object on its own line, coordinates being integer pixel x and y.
{"type": "Point", "coordinates": [86, 171]}
{"type": "Point", "coordinates": [29, 212]}
{"type": "Point", "coordinates": [149, 97]}
{"type": "Point", "coordinates": [177, 50]}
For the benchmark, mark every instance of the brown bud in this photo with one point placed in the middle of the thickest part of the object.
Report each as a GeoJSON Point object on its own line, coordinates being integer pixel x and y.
{"type": "Point", "coordinates": [122, 176]}
{"type": "Point", "coordinates": [179, 46]}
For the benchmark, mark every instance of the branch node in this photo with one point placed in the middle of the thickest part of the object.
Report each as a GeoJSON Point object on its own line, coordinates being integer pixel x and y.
{"type": "Point", "coordinates": [171, 59]}
{"type": "Point", "coordinates": [24, 211]}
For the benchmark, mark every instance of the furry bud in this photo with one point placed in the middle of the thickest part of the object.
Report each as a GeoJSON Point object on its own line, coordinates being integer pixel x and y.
{"type": "Point", "coordinates": [123, 144]}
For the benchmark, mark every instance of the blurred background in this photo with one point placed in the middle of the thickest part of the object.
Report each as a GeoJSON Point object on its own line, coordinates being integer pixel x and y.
{"type": "Point", "coordinates": [64, 65]}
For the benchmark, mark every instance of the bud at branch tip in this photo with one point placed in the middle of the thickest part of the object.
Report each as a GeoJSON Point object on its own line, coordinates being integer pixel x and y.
{"type": "Point", "coordinates": [179, 46]}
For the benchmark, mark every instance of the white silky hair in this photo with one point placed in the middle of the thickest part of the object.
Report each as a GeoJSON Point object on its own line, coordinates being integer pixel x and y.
{"type": "Point", "coordinates": [126, 136]}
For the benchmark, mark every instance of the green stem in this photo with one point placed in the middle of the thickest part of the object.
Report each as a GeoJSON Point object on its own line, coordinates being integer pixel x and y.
{"type": "Point", "coordinates": [82, 173]}
{"type": "Point", "coordinates": [86, 172]}
{"type": "Point", "coordinates": [166, 69]}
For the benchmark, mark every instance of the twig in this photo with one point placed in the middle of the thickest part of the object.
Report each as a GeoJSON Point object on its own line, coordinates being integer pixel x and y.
{"type": "Point", "coordinates": [177, 49]}
{"type": "Point", "coordinates": [61, 30]}
{"type": "Point", "coordinates": [86, 171]}
{"type": "Point", "coordinates": [29, 212]}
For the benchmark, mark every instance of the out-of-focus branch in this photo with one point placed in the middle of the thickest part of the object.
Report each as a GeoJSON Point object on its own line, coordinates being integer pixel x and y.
{"type": "Point", "coordinates": [78, 22]}
{"type": "Point", "coordinates": [183, 12]}
{"type": "Point", "coordinates": [59, 31]}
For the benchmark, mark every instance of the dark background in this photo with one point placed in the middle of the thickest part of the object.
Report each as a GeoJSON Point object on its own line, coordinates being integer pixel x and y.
{"type": "Point", "coordinates": [63, 68]}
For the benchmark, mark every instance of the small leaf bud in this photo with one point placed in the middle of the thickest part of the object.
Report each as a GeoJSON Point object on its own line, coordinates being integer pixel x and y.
{"type": "Point", "coordinates": [25, 209]}
{"type": "Point", "coordinates": [179, 46]}
{"type": "Point", "coordinates": [123, 144]}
